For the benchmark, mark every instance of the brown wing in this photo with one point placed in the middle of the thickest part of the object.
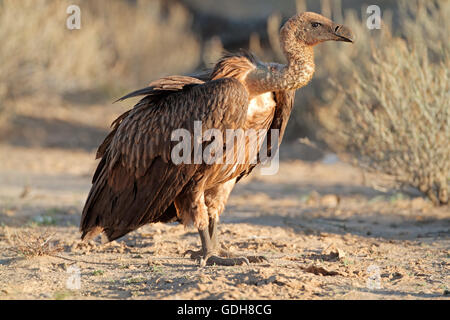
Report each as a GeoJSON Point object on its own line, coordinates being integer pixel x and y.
{"type": "Point", "coordinates": [163, 86]}
{"type": "Point", "coordinates": [136, 181]}
{"type": "Point", "coordinates": [284, 103]}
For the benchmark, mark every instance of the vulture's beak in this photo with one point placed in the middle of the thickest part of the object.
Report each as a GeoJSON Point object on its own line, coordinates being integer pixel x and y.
{"type": "Point", "coordinates": [343, 33]}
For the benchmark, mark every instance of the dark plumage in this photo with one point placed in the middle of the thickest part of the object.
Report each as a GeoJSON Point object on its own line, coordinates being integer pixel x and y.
{"type": "Point", "coordinates": [137, 182]}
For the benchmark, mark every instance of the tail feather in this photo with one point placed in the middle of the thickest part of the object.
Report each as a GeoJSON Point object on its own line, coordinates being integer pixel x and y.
{"type": "Point", "coordinates": [117, 204]}
{"type": "Point", "coordinates": [91, 233]}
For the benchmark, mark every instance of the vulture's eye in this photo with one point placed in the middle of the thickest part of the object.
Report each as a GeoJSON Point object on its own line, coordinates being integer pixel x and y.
{"type": "Point", "coordinates": [316, 24]}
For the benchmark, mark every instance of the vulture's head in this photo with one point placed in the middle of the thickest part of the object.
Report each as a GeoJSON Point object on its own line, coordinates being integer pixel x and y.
{"type": "Point", "coordinates": [312, 28]}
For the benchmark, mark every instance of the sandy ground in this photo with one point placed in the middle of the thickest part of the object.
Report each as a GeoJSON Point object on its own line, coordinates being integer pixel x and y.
{"type": "Point", "coordinates": [327, 235]}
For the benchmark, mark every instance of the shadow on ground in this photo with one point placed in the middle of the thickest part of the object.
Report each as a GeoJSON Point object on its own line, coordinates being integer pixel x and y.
{"type": "Point", "coordinates": [52, 133]}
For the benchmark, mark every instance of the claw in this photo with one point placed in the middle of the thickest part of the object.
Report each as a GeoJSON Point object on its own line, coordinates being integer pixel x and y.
{"type": "Point", "coordinates": [227, 259]}
{"type": "Point", "coordinates": [257, 259]}
{"type": "Point", "coordinates": [216, 260]}
{"type": "Point", "coordinates": [194, 254]}
{"type": "Point", "coordinates": [188, 252]}
{"type": "Point", "coordinates": [202, 262]}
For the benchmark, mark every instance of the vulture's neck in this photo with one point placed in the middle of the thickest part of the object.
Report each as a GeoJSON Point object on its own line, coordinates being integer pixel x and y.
{"type": "Point", "coordinates": [294, 75]}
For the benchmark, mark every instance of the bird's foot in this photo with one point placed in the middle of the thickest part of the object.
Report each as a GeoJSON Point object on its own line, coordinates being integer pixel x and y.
{"type": "Point", "coordinates": [223, 257]}
{"type": "Point", "coordinates": [257, 259]}
{"type": "Point", "coordinates": [194, 254]}
{"type": "Point", "coordinates": [226, 258]}
{"type": "Point", "coordinates": [220, 261]}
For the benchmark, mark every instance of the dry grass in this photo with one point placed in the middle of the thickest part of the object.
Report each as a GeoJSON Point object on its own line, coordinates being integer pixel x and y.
{"type": "Point", "coordinates": [388, 100]}
{"type": "Point", "coordinates": [391, 106]}
{"type": "Point", "coordinates": [119, 45]}
{"type": "Point", "coordinates": [32, 244]}
{"type": "Point", "coordinates": [397, 119]}
{"type": "Point", "coordinates": [396, 115]}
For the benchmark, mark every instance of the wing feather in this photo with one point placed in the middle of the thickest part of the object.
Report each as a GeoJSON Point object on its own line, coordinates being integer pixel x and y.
{"type": "Point", "coordinates": [136, 181]}
{"type": "Point", "coordinates": [162, 86]}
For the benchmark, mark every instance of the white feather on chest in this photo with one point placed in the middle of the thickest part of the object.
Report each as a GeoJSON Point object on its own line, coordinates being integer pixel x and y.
{"type": "Point", "coordinates": [261, 105]}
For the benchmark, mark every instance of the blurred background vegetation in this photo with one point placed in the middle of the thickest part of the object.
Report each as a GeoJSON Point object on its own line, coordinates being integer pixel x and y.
{"type": "Point", "coordinates": [382, 102]}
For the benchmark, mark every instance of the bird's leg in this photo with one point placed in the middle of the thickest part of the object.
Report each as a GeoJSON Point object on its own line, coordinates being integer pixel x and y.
{"type": "Point", "coordinates": [211, 252]}
{"type": "Point", "coordinates": [208, 254]}
{"type": "Point", "coordinates": [208, 246]}
{"type": "Point", "coordinates": [209, 241]}
{"type": "Point", "coordinates": [214, 256]}
{"type": "Point", "coordinates": [224, 252]}
{"type": "Point", "coordinates": [212, 228]}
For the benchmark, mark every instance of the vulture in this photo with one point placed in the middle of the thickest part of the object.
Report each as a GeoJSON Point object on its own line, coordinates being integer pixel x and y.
{"type": "Point", "coordinates": [138, 180]}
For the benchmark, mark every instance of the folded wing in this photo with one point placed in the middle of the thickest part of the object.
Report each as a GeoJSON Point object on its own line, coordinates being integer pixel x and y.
{"type": "Point", "coordinates": [136, 180]}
